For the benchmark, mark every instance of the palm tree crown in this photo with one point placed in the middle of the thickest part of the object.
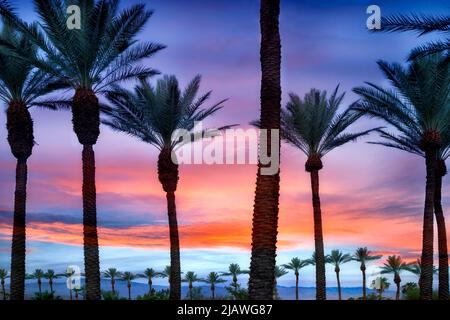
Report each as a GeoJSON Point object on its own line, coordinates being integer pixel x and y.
{"type": "Point", "coordinates": [337, 258]}
{"type": "Point", "coordinates": [364, 255]}
{"type": "Point", "coordinates": [296, 264]}
{"type": "Point", "coordinates": [112, 273]}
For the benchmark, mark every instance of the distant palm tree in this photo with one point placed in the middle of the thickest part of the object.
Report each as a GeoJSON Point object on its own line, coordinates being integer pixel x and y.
{"type": "Point", "coordinates": [363, 255]}
{"type": "Point", "coordinates": [314, 126]}
{"type": "Point", "coordinates": [113, 274]}
{"type": "Point", "coordinates": [153, 115]}
{"type": "Point", "coordinates": [212, 279]}
{"type": "Point", "coordinates": [38, 275]}
{"type": "Point", "coordinates": [190, 277]}
{"type": "Point", "coordinates": [50, 275]}
{"type": "Point", "coordinates": [128, 277]}
{"type": "Point", "coordinates": [422, 25]}
{"type": "Point", "coordinates": [279, 272]}
{"type": "Point", "coordinates": [395, 265]}
{"type": "Point", "coordinates": [337, 258]}
{"type": "Point", "coordinates": [3, 276]}
{"type": "Point", "coordinates": [21, 87]}
{"type": "Point", "coordinates": [295, 265]}
{"type": "Point", "coordinates": [149, 274]}
{"type": "Point", "coordinates": [417, 107]}
{"type": "Point", "coordinates": [380, 284]}
{"type": "Point", "coordinates": [267, 193]}
{"type": "Point", "coordinates": [90, 59]}
{"type": "Point", "coordinates": [234, 270]}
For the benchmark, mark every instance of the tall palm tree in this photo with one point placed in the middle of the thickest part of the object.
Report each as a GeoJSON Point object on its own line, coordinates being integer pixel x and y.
{"type": "Point", "coordinates": [314, 126]}
{"type": "Point", "coordinates": [150, 274]}
{"type": "Point", "coordinates": [422, 25]}
{"type": "Point", "coordinates": [3, 276]}
{"type": "Point", "coordinates": [38, 275]}
{"type": "Point", "coordinates": [363, 255]}
{"type": "Point", "coordinates": [267, 193]}
{"type": "Point", "coordinates": [21, 87]}
{"type": "Point", "coordinates": [90, 59]}
{"type": "Point", "coordinates": [153, 115]}
{"type": "Point", "coordinates": [113, 274]}
{"type": "Point", "coordinates": [50, 275]}
{"type": "Point", "coordinates": [234, 271]}
{"type": "Point", "coordinates": [418, 108]}
{"type": "Point", "coordinates": [128, 277]}
{"type": "Point", "coordinates": [394, 264]}
{"type": "Point", "coordinates": [337, 258]}
{"type": "Point", "coordinates": [279, 272]}
{"type": "Point", "coordinates": [212, 279]}
{"type": "Point", "coordinates": [190, 277]}
{"type": "Point", "coordinates": [295, 265]}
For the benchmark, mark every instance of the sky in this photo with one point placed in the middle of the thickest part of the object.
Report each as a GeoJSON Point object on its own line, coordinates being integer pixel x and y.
{"type": "Point", "coordinates": [371, 196]}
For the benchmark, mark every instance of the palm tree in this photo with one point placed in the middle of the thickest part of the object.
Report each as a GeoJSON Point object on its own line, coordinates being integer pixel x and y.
{"type": "Point", "coordinates": [380, 284]}
{"type": "Point", "coordinates": [21, 86]}
{"type": "Point", "coordinates": [394, 264]}
{"type": "Point", "coordinates": [69, 274]}
{"type": "Point", "coordinates": [128, 277]}
{"type": "Point", "coordinates": [295, 265]}
{"type": "Point", "coordinates": [50, 275]}
{"type": "Point", "coordinates": [38, 275]}
{"type": "Point", "coordinates": [363, 255]}
{"type": "Point", "coordinates": [337, 258]}
{"type": "Point", "coordinates": [422, 25]}
{"type": "Point", "coordinates": [149, 274]}
{"type": "Point", "coordinates": [314, 126]}
{"type": "Point", "coordinates": [190, 277]}
{"type": "Point", "coordinates": [265, 210]}
{"type": "Point", "coordinates": [417, 107]}
{"type": "Point", "coordinates": [113, 274]}
{"type": "Point", "coordinates": [279, 272]}
{"type": "Point", "coordinates": [212, 279]}
{"type": "Point", "coordinates": [416, 268]}
{"type": "Point", "coordinates": [90, 59]}
{"type": "Point", "coordinates": [3, 276]}
{"type": "Point", "coordinates": [234, 270]}
{"type": "Point", "coordinates": [154, 115]}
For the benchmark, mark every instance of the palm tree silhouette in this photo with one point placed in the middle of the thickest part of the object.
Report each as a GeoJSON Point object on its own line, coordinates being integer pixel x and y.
{"type": "Point", "coordinates": [50, 275]}
{"type": "Point", "coordinates": [21, 87]}
{"type": "Point", "coordinates": [295, 265]}
{"type": "Point", "coordinates": [265, 210]}
{"type": "Point", "coordinates": [313, 125]}
{"type": "Point", "coordinates": [128, 277]}
{"type": "Point", "coordinates": [416, 268]}
{"type": "Point", "coordinates": [37, 275]}
{"type": "Point", "coordinates": [190, 277]}
{"type": "Point", "coordinates": [394, 264]}
{"type": "Point", "coordinates": [363, 255]}
{"type": "Point", "coordinates": [150, 274]}
{"type": "Point", "coordinates": [153, 115]}
{"type": "Point", "coordinates": [417, 108]}
{"type": "Point", "coordinates": [212, 279]}
{"type": "Point", "coordinates": [337, 258]}
{"type": "Point", "coordinates": [113, 274]}
{"type": "Point", "coordinates": [3, 276]}
{"type": "Point", "coordinates": [423, 25]}
{"type": "Point", "coordinates": [90, 59]}
{"type": "Point", "coordinates": [234, 270]}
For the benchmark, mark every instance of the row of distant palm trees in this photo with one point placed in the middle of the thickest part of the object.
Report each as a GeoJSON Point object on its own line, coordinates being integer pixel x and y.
{"type": "Point", "coordinates": [44, 58]}
{"type": "Point", "coordinates": [393, 265]}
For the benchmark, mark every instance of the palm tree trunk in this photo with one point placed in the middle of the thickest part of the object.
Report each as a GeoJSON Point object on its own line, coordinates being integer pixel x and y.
{"type": "Point", "coordinates": [91, 252]}
{"type": "Point", "coordinates": [50, 283]}
{"type": "Point", "coordinates": [442, 241]}
{"type": "Point", "coordinates": [70, 294]}
{"type": "Point", "coordinates": [3, 290]}
{"type": "Point", "coordinates": [426, 279]}
{"type": "Point", "coordinates": [265, 211]}
{"type": "Point", "coordinates": [339, 285]}
{"type": "Point", "coordinates": [150, 286]}
{"type": "Point", "coordinates": [129, 291]}
{"type": "Point", "coordinates": [318, 238]}
{"type": "Point", "coordinates": [363, 270]}
{"type": "Point", "coordinates": [213, 290]}
{"type": "Point", "coordinates": [190, 291]}
{"type": "Point", "coordinates": [19, 233]}
{"type": "Point", "coordinates": [296, 286]}
{"type": "Point", "coordinates": [113, 286]}
{"type": "Point", "coordinates": [397, 281]}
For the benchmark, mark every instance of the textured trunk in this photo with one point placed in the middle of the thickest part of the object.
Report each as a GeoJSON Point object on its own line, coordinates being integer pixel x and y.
{"type": "Point", "coordinates": [168, 176]}
{"type": "Point", "coordinates": [39, 283]}
{"type": "Point", "coordinates": [265, 211]}
{"type": "Point", "coordinates": [397, 281]}
{"type": "Point", "coordinates": [296, 287]}
{"type": "Point", "coordinates": [363, 270]}
{"type": "Point", "coordinates": [113, 286]}
{"type": "Point", "coordinates": [318, 238]}
{"type": "Point", "coordinates": [426, 279]}
{"type": "Point", "coordinates": [129, 291]}
{"type": "Point", "coordinates": [91, 252]}
{"type": "Point", "coordinates": [150, 283]}
{"type": "Point", "coordinates": [213, 292]}
{"type": "Point", "coordinates": [442, 241]}
{"type": "Point", "coordinates": [339, 285]}
{"type": "Point", "coordinates": [190, 291]}
{"type": "Point", "coordinates": [86, 124]}
{"type": "Point", "coordinates": [21, 141]}
{"type": "Point", "coordinates": [50, 283]}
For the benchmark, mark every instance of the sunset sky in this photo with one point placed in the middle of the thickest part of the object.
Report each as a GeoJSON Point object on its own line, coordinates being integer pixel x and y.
{"type": "Point", "coordinates": [371, 196]}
